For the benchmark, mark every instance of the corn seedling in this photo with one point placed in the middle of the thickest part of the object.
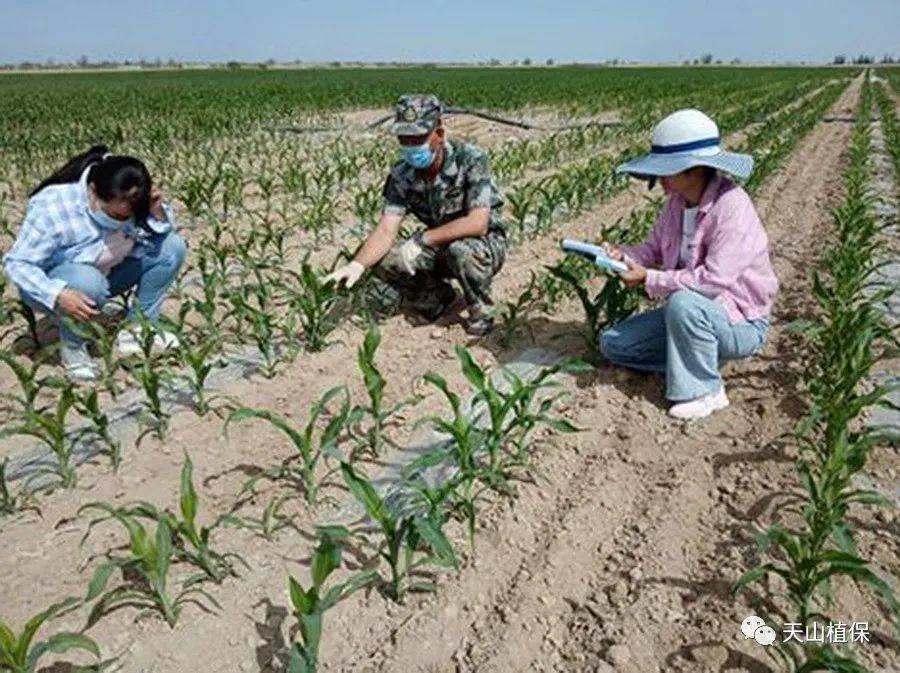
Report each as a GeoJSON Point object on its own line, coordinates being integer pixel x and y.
{"type": "Point", "coordinates": [614, 302]}
{"type": "Point", "coordinates": [20, 654]}
{"type": "Point", "coordinates": [311, 445]}
{"type": "Point", "coordinates": [314, 301]}
{"type": "Point", "coordinates": [311, 604]}
{"type": "Point", "coordinates": [49, 428]}
{"type": "Point", "coordinates": [150, 375]}
{"type": "Point", "coordinates": [191, 540]}
{"type": "Point", "coordinates": [149, 561]}
{"type": "Point", "coordinates": [11, 503]}
{"type": "Point", "coordinates": [88, 405]}
{"type": "Point", "coordinates": [198, 363]}
{"type": "Point", "coordinates": [30, 384]}
{"type": "Point", "coordinates": [271, 520]}
{"type": "Point", "coordinates": [409, 541]}
{"type": "Point", "coordinates": [511, 313]}
{"type": "Point", "coordinates": [372, 437]}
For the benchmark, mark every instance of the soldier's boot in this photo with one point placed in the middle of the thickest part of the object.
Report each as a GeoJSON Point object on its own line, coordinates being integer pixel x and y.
{"type": "Point", "coordinates": [432, 304]}
{"type": "Point", "coordinates": [474, 262]}
{"type": "Point", "coordinates": [481, 321]}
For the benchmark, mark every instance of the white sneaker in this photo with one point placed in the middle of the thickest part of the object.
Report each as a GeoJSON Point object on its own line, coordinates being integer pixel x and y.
{"type": "Point", "coordinates": [128, 343]}
{"type": "Point", "coordinates": [77, 363]}
{"type": "Point", "coordinates": [701, 406]}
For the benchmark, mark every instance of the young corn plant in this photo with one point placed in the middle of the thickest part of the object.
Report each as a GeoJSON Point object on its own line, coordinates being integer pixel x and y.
{"type": "Point", "coordinates": [149, 373]}
{"type": "Point", "coordinates": [313, 300]}
{"type": "Point", "coordinates": [311, 604]}
{"type": "Point", "coordinates": [88, 405]}
{"type": "Point", "coordinates": [198, 361]}
{"type": "Point", "coordinates": [511, 412]}
{"type": "Point", "coordinates": [614, 302]}
{"type": "Point", "coordinates": [30, 385]}
{"type": "Point", "coordinates": [271, 520]}
{"type": "Point", "coordinates": [104, 341]}
{"type": "Point", "coordinates": [49, 428]}
{"type": "Point", "coordinates": [19, 653]}
{"type": "Point", "coordinates": [311, 444]}
{"type": "Point", "coordinates": [511, 313]}
{"type": "Point", "coordinates": [11, 503]}
{"type": "Point", "coordinates": [372, 438]}
{"type": "Point", "coordinates": [409, 541]}
{"type": "Point", "coordinates": [191, 540]}
{"type": "Point", "coordinates": [148, 562]}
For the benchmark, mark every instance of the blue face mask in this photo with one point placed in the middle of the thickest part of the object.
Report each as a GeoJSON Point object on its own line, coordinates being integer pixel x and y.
{"type": "Point", "coordinates": [105, 221]}
{"type": "Point", "coordinates": [420, 156]}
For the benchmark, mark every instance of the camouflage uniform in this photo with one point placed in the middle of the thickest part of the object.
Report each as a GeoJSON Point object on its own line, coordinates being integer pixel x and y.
{"type": "Point", "coordinates": [464, 182]}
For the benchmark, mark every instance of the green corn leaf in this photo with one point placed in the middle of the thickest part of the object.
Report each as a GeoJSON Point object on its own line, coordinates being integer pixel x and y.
{"type": "Point", "coordinates": [436, 539]}
{"type": "Point", "coordinates": [188, 493]}
{"type": "Point", "coordinates": [365, 493]}
{"type": "Point", "coordinates": [471, 371]}
{"type": "Point", "coordinates": [303, 603]}
{"type": "Point", "coordinates": [326, 559]}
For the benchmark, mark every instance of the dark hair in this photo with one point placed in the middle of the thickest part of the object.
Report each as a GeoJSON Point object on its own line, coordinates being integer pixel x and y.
{"type": "Point", "coordinates": [114, 177]}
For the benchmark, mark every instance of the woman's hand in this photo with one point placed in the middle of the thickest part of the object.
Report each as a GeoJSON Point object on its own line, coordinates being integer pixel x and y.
{"type": "Point", "coordinates": [612, 251]}
{"type": "Point", "coordinates": [76, 304]}
{"type": "Point", "coordinates": [636, 275]}
{"type": "Point", "coordinates": [156, 204]}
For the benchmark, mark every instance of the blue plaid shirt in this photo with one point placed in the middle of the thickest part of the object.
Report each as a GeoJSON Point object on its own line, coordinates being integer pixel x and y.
{"type": "Point", "coordinates": [58, 229]}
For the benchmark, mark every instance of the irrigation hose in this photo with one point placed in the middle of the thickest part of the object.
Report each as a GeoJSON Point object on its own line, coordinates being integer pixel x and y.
{"type": "Point", "coordinates": [450, 111]}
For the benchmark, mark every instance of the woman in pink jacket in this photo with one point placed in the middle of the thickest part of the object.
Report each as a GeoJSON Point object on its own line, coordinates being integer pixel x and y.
{"type": "Point", "coordinates": [707, 257]}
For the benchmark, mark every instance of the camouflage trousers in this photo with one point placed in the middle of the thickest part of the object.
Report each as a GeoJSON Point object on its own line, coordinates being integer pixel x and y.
{"type": "Point", "coordinates": [473, 262]}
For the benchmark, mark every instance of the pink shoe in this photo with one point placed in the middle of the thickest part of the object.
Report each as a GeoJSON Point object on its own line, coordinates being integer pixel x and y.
{"type": "Point", "coordinates": [701, 406]}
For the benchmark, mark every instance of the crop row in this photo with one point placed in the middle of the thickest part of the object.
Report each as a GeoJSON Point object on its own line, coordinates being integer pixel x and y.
{"type": "Point", "coordinates": [803, 556]}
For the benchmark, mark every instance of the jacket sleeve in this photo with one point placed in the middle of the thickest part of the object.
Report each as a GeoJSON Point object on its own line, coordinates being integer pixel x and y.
{"type": "Point", "coordinates": [729, 251]}
{"type": "Point", "coordinates": [649, 253]}
{"type": "Point", "coordinates": [33, 247]}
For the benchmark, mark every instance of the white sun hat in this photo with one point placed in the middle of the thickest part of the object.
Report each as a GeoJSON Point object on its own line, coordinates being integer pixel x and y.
{"type": "Point", "coordinates": [685, 139]}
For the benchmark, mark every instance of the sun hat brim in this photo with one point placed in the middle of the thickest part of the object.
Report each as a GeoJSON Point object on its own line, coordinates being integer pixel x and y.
{"type": "Point", "coordinates": [651, 165]}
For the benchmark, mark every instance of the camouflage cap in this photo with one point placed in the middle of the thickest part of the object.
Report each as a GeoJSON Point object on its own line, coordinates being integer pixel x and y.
{"type": "Point", "coordinates": [416, 115]}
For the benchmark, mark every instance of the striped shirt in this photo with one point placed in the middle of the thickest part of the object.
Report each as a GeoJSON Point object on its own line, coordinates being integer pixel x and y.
{"type": "Point", "coordinates": [58, 229]}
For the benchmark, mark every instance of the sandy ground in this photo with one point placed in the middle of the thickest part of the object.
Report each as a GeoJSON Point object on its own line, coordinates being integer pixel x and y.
{"type": "Point", "coordinates": [620, 559]}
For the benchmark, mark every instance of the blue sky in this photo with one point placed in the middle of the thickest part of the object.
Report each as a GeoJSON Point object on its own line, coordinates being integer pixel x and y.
{"type": "Point", "coordinates": [445, 30]}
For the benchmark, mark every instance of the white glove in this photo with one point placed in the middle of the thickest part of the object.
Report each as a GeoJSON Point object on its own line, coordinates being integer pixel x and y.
{"type": "Point", "coordinates": [349, 273]}
{"type": "Point", "coordinates": [409, 253]}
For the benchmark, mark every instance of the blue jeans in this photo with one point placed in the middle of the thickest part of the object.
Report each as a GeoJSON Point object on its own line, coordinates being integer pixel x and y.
{"type": "Point", "coordinates": [687, 339]}
{"type": "Point", "coordinates": [152, 273]}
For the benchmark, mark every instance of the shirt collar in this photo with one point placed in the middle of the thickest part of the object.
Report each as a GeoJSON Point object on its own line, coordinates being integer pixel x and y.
{"type": "Point", "coordinates": [83, 199]}
{"type": "Point", "coordinates": [451, 166]}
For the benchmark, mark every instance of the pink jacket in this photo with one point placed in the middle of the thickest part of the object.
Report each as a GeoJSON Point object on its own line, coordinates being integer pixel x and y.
{"type": "Point", "coordinates": [730, 258]}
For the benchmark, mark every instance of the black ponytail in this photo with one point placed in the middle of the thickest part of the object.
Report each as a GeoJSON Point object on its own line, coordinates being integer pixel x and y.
{"type": "Point", "coordinates": [73, 169]}
{"type": "Point", "coordinates": [113, 177]}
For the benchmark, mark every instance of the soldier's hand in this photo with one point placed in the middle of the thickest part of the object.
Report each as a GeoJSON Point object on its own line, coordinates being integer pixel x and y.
{"type": "Point", "coordinates": [349, 274]}
{"type": "Point", "coordinates": [76, 304]}
{"type": "Point", "coordinates": [409, 253]}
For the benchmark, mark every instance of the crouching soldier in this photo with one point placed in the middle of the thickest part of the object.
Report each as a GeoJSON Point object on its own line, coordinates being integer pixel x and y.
{"type": "Point", "coordinates": [447, 185]}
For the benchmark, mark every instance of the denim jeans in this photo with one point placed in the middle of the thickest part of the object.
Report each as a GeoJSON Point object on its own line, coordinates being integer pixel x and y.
{"type": "Point", "coordinates": [688, 339]}
{"type": "Point", "coordinates": [152, 273]}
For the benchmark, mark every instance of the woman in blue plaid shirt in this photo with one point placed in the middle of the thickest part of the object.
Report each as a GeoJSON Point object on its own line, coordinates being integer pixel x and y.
{"type": "Point", "coordinates": [92, 230]}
